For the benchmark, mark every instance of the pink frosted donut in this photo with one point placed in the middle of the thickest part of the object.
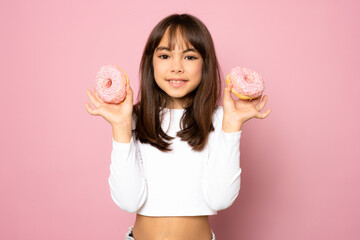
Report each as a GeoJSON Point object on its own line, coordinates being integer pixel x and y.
{"type": "Point", "coordinates": [110, 83]}
{"type": "Point", "coordinates": [247, 84]}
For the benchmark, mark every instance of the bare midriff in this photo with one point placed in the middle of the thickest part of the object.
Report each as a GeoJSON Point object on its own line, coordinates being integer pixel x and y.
{"type": "Point", "coordinates": [172, 228]}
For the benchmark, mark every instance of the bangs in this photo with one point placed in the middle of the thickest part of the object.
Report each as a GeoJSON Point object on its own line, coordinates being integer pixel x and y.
{"type": "Point", "coordinates": [181, 35]}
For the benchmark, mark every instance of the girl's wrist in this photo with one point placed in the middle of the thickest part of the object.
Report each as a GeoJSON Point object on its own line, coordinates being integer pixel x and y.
{"type": "Point", "coordinates": [122, 131]}
{"type": "Point", "coordinates": [124, 123]}
{"type": "Point", "coordinates": [231, 126]}
{"type": "Point", "coordinates": [122, 134]}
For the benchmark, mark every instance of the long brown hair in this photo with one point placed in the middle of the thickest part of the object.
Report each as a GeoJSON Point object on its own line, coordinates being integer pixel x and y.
{"type": "Point", "coordinates": [196, 122]}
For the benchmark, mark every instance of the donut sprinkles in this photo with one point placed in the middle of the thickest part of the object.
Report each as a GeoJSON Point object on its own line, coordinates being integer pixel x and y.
{"type": "Point", "coordinates": [247, 84]}
{"type": "Point", "coordinates": [111, 83]}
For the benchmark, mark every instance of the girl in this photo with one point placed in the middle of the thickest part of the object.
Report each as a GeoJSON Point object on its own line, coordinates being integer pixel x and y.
{"type": "Point", "coordinates": [175, 157]}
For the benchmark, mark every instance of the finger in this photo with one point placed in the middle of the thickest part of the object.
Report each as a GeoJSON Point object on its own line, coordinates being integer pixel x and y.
{"type": "Point", "coordinates": [93, 100]}
{"type": "Point", "coordinates": [129, 94]}
{"type": "Point", "coordinates": [129, 91]}
{"type": "Point", "coordinates": [227, 93]}
{"type": "Point", "coordinates": [262, 104]}
{"type": "Point", "coordinates": [91, 110]}
{"type": "Point", "coordinates": [97, 96]}
{"type": "Point", "coordinates": [229, 84]}
{"type": "Point", "coordinates": [255, 101]}
{"type": "Point", "coordinates": [263, 115]}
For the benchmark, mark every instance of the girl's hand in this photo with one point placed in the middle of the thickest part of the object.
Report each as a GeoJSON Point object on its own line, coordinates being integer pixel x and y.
{"type": "Point", "coordinates": [116, 114]}
{"type": "Point", "coordinates": [237, 112]}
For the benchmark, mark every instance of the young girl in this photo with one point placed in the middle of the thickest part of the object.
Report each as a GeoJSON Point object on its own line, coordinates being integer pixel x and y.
{"type": "Point", "coordinates": [175, 157]}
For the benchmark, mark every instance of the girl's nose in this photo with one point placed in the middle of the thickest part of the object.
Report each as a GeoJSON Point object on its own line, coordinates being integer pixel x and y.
{"type": "Point", "coordinates": [177, 67]}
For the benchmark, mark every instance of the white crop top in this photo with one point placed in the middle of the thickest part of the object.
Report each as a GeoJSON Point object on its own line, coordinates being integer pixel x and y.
{"type": "Point", "coordinates": [181, 182]}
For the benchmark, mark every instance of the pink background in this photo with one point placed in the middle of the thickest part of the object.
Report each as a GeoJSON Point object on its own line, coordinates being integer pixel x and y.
{"type": "Point", "coordinates": [301, 170]}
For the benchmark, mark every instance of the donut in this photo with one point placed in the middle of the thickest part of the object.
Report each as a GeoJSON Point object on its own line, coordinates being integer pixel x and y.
{"type": "Point", "coordinates": [111, 83]}
{"type": "Point", "coordinates": [247, 84]}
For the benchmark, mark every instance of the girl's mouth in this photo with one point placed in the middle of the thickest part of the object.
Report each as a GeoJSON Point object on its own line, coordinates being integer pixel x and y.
{"type": "Point", "coordinates": [177, 82]}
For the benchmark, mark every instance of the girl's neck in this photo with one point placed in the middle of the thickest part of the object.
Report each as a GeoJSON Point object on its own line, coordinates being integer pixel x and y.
{"type": "Point", "coordinates": [175, 104]}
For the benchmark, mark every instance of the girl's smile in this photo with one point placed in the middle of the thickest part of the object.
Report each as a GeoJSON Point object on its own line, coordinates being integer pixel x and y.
{"type": "Point", "coordinates": [177, 82]}
{"type": "Point", "coordinates": [177, 71]}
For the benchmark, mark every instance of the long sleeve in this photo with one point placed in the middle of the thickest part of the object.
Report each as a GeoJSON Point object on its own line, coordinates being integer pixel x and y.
{"type": "Point", "coordinates": [221, 179]}
{"type": "Point", "coordinates": [128, 186]}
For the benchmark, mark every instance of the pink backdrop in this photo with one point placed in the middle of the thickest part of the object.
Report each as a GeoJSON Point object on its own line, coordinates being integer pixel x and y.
{"type": "Point", "coordinates": [301, 167]}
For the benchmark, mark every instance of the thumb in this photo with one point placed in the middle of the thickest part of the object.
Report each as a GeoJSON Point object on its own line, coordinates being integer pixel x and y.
{"type": "Point", "coordinates": [227, 92]}
{"type": "Point", "coordinates": [129, 93]}
{"type": "Point", "coordinates": [263, 115]}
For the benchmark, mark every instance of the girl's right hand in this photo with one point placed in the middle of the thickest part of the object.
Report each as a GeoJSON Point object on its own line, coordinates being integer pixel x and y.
{"type": "Point", "coordinates": [116, 114]}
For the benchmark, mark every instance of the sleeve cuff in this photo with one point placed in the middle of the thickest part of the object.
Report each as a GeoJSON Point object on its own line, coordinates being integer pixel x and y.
{"type": "Point", "coordinates": [231, 135]}
{"type": "Point", "coordinates": [121, 146]}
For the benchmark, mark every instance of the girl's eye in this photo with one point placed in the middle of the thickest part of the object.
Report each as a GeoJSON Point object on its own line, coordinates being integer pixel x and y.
{"type": "Point", "coordinates": [190, 57]}
{"type": "Point", "coordinates": [164, 56]}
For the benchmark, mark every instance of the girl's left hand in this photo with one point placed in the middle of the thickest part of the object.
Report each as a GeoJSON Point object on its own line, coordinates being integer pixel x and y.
{"type": "Point", "coordinates": [237, 112]}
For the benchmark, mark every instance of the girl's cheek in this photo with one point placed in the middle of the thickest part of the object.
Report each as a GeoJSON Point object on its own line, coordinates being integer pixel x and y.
{"type": "Point", "coordinates": [159, 63]}
{"type": "Point", "coordinates": [198, 68]}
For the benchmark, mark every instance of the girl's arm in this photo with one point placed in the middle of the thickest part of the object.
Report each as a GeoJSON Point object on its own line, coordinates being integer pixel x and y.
{"type": "Point", "coordinates": [128, 186]}
{"type": "Point", "coordinates": [221, 179]}
{"type": "Point", "coordinates": [222, 171]}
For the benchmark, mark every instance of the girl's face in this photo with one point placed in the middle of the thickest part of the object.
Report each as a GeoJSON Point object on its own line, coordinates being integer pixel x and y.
{"type": "Point", "coordinates": [177, 71]}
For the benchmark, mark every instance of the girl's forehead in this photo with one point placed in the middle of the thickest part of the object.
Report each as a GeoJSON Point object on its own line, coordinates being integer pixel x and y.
{"type": "Point", "coordinates": [174, 40]}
